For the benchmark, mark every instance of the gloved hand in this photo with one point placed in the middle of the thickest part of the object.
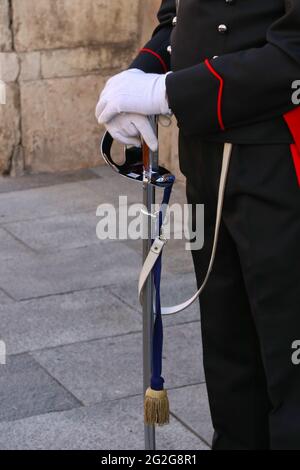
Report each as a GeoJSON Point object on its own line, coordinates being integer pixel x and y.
{"type": "Point", "coordinates": [133, 91]}
{"type": "Point", "coordinates": [127, 129]}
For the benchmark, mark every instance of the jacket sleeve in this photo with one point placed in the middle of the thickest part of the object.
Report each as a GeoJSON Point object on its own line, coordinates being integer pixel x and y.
{"type": "Point", "coordinates": [243, 87]}
{"type": "Point", "coordinates": [154, 56]}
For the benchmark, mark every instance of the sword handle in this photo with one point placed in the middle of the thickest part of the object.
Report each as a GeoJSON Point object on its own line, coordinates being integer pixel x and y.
{"type": "Point", "coordinates": [150, 159]}
{"type": "Point", "coordinates": [146, 158]}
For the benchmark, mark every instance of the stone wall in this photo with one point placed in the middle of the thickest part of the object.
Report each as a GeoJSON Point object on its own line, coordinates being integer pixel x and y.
{"type": "Point", "coordinates": [55, 56]}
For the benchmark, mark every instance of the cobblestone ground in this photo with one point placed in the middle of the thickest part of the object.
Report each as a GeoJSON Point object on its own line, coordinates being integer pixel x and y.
{"type": "Point", "coordinates": [72, 325]}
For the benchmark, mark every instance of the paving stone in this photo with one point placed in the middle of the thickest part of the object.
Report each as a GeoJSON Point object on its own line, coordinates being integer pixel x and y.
{"type": "Point", "coordinates": [62, 199]}
{"type": "Point", "coordinates": [87, 343]}
{"type": "Point", "coordinates": [176, 259]}
{"type": "Point", "coordinates": [38, 275]}
{"type": "Point", "coordinates": [46, 202]}
{"type": "Point", "coordinates": [26, 182]}
{"type": "Point", "coordinates": [104, 171]}
{"type": "Point", "coordinates": [112, 368]}
{"type": "Point", "coordinates": [114, 425]}
{"type": "Point", "coordinates": [190, 405]}
{"type": "Point", "coordinates": [4, 298]}
{"type": "Point", "coordinates": [112, 186]}
{"type": "Point", "coordinates": [27, 390]}
{"type": "Point", "coordinates": [83, 60]}
{"type": "Point", "coordinates": [64, 319]}
{"type": "Point", "coordinates": [10, 247]}
{"type": "Point", "coordinates": [60, 232]}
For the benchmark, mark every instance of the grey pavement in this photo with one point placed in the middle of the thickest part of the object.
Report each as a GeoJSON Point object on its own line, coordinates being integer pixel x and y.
{"type": "Point", "coordinates": [72, 324]}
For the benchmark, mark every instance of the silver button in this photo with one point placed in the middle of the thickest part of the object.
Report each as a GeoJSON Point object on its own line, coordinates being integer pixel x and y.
{"type": "Point", "coordinates": [222, 28]}
{"type": "Point", "coordinates": [174, 21]}
{"type": "Point", "coordinates": [169, 49]}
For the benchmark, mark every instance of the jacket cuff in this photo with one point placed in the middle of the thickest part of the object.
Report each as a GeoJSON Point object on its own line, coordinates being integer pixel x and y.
{"type": "Point", "coordinates": [195, 96]}
{"type": "Point", "coordinates": [154, 56]}
{"type": "Point", "coordinates": [292, 118]}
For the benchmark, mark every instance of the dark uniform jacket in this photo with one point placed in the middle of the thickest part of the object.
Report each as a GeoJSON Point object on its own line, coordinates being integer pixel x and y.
{"type": "Point", "coordinates": [234, 64]}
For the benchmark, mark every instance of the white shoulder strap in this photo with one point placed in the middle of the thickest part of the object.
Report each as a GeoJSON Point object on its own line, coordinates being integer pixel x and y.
{"type": "Point", "coordinates": [159, 243]}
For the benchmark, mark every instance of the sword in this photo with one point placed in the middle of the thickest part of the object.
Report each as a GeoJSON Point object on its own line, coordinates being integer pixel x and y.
{"type": "Point", "coordinates": [150, 160]}
{"type": "Point", "coordinates": [142, 165]}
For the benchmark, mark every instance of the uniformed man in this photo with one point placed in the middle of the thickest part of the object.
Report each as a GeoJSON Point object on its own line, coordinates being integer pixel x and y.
{"type": "Point", "coordinates": [227, 69]}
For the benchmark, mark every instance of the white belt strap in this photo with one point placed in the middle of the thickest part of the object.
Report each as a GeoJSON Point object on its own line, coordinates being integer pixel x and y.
{"type": "Point", "coordinates": [159, 243]}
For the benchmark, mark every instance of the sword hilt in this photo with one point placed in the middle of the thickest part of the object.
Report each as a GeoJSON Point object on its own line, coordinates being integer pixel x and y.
{"type": "Point", "coordinates": [150, 158]}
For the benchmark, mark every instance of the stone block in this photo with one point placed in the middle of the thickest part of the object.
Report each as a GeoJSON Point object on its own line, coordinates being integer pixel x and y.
{"type": "Point", "coordinates": [59, 128]}
{"type": "Point", "coordinates": [61, 54]}
{"type": "Point", "coordinates": [9, 66]}
{"type": "Point", "coordinates": [9, 128]}
{"type": "Point", "coordinates": [54, 24]}
{"type": "Point", "coordinates": [84, 61]}
{"type": "Point", "coordinates": [30, 66]}
{"type": "Point", "coordinates": [5, 32]}
{"type": "Point", "coordinates": [149, 20]}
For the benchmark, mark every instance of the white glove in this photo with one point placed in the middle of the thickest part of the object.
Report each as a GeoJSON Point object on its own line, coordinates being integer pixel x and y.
{"type": "Point", "coordinates": [127, 128]}
{"type": "Point", "coordinates": [133, 91]}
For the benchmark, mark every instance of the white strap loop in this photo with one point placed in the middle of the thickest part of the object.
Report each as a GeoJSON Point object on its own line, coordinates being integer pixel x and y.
{"type": "Point", "coordinates": [159, 243]}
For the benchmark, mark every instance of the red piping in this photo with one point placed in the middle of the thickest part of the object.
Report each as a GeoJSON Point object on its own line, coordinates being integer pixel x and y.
{"type": "Point", "coordinates": [296, 157]}
{"type": "Point", "coordinates": [292, 119]}
{"type": "Point", "coordinates": [157, 56]}
{"type": "Point", "coordinates": [220, 95]}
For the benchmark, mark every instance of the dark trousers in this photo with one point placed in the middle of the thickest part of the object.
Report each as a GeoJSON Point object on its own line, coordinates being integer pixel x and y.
{"type": "Point", "coordinates": [250, 309]}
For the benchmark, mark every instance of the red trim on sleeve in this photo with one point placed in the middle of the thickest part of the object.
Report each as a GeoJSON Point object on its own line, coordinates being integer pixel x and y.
{"type": "Point", "coordinates": [292, 118]}
{"type": "Point", "coordinates": [220, 96]}
{"type": "Point", "coordinates": [296, 157]}
{"type": "Point", "coordinates": [149, 51]}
